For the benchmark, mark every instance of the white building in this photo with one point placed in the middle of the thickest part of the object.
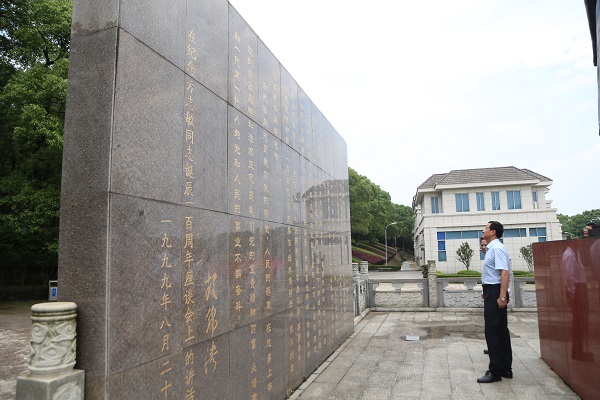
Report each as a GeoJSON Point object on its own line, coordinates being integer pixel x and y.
{"type": "Point", "coordinates": [453, 208]}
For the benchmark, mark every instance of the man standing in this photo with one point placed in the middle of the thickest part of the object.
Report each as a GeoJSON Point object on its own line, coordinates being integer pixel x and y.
{"type": "Point", "coordinates": [495, 277]}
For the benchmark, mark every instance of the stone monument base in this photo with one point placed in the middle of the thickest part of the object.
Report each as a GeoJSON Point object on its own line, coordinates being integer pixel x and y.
{"type": "Point", "coordinates": [56, 385]}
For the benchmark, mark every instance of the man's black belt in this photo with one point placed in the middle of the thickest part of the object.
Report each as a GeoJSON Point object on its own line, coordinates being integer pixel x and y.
{"type": "Point", "coordinates": [490, 284]}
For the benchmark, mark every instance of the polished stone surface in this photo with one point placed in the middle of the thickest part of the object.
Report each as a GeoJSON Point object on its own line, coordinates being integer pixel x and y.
{"type": "Point", "coordinates": [145, 282]}
{"type": "Point", "coordinates": [291, 185]}
{"type": "Point", "coordinates": [243, 66]}
{"type": "Point", "coordinates": [269, 90]}
{"type": "Point", "coordinates": [206, 44]}
{"type": "Point", "coordinates": [161, 27]}
{"type": "Point", "coordinates": [270, 177]}
{"type": "Point", "coordinates": [148, 124]}
{"type": "Point", "coordinates": [246, 286]}
{"type": "Point", "coordinates": [289, 110]}
{"type": "Point", "coordinates": [243, 169]}
{"type": "Point", "coordinates": [88, 118]}
{"type": "Point", "coordinates": [204, 194]}
{"type": "Point", "coordinates": [305, 130]}
{"type": "Point", "coordinates": [94, 15]}
{"type": "Point", "coordinates": [568, 297]}
{"type": "Point", "coordinates": [204, 183]}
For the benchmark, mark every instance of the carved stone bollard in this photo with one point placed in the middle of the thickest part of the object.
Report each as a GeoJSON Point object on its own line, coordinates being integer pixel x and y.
{"type": "Point", "coordinates": [432, 280]}
{"type": "Point", "coordinates": [355, 270]}
{"type": "Point", "coordinates": [53, 348]}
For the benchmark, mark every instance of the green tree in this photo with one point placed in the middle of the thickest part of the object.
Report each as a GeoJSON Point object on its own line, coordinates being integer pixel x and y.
{"type": "Point", "coordinates": [403, 231]}
{"type": "Point", "coordinates": [371, 210]}
{"type": "Point", "coordinates": [361, 196]}
{"type": "Point", "coordinates": [464, 254]}
{"type": "Point", "coordinates": [382, 210]}
{"type": "Point", "coordinates": [573, 226]}
{"type": "Point", "coordinates": [527, 254]}
{"type": "Point", "coordinates": [34, 46]}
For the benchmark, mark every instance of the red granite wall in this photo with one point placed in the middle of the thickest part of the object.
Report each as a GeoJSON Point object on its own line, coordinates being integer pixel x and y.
{"type": "Point", "coordinates": [567, 277]}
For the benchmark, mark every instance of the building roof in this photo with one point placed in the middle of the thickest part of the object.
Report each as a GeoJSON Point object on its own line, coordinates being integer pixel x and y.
{"type": "Point", "coordinates": [482, 175]}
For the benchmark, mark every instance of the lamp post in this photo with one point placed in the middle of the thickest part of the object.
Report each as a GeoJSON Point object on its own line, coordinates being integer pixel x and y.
{"type": "Point", "coordinates": [393, 223]}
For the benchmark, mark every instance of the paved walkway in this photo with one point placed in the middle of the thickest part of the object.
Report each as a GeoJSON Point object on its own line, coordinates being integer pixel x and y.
{"type": "Point", "coordinates": [378, 362]}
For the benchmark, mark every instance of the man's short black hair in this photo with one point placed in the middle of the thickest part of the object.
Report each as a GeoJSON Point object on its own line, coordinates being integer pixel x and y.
{"type": "Point", "coordinates": [496, 226]}
{"type": "Point", "coordinates": [593, 225]}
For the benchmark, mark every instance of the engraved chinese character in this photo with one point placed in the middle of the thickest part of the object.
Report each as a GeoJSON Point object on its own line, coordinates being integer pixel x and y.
{"type": "Point", "coordinates": [210, 358]}
{"type": "Point", "coordinates": [211, 320]}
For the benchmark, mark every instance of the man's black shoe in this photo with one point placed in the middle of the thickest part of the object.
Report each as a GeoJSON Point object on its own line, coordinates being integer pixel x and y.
{"type": "Point", "coordinates": [488, 378]}
{"type": "Point", "coordinates": [507, 374]}
{"type": "Point", "coordinates": [485, 351]}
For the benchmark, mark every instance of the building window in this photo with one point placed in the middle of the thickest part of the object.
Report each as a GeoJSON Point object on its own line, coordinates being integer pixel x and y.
{"type": "Point", "coordinates": [480, 202]}
{"type": "Point", "coordinates": [441, 256]}
{"type": "Point", "coordinates": [541, 239]}
{"type": "Point", "coordinates": [517, 232]}
{"type": "Point", "coordinates": [441, 245]}
{"type": "Point", "coordinates": [495, 200]}
{"type": "Point", "coordinates": [537, 232]}
{"type": "Point", "coordinates": [454, 235]}
{"type": "Point", "coordinates": [462, 202]}
{"type": "Point", "coordinates": [470, 234]}
{"type": "Point", "coordinates": [450, 235]}
{"type": "Point", "coordinates": [435, 206]}
{"type": "Point", "coordinates": [513, 198]}
{"type": "Point", "coordinates": [535, 200]}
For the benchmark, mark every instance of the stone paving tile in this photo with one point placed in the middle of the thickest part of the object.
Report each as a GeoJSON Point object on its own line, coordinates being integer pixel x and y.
{"type": "Point", "coordinates": [318, 390]}
{"type": "Point", "coordinates": [407, 388]}
{"type": "Point", "coordinates": [377, 393]}
{"type": "Point", "coordinates": [335, 373]}
{"type": "Point", "coordinates": [421, 317]}
{"type": "Point", "coordinates": [408, 316]}
{"type": "Point", "coordinates": [378, 363]}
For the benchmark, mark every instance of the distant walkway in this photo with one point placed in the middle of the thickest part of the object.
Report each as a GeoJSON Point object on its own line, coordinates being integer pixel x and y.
{"type": "Point", "coordinates": [377, 362]}
{"type": "Point", "coordinates": [15, 331]}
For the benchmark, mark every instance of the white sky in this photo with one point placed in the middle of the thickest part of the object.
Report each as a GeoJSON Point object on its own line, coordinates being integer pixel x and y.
{"type": "Point", "coordinates": [423, 87]}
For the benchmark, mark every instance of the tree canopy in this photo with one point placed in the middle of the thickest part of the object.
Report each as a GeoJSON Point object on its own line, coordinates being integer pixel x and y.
{"type": "Point", "coordinates": [371, 210]}
{"type": "Point", "coordinates": [527, 254]}
{"type": "Point", "coordinates": [573, 225]}
{"type": "Point", "coordinates": [34, 48]}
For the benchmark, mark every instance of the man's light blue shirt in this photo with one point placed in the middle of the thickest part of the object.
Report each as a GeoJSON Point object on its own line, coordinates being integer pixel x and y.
{"type": "Point", "coordinates": [496, 260]}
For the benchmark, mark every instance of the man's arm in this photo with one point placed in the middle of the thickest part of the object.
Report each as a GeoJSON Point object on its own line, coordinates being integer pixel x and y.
{"type": "Point", "coordinates": [504, 278]}
{"type": "Point", "coordinates": [502, 262]}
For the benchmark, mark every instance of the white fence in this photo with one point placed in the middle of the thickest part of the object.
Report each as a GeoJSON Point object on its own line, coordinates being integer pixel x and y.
{"type": "Point", "coordinates": [381, 294]}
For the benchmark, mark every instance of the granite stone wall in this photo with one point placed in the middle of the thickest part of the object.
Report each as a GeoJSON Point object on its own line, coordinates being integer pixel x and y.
{"type": "Point", "coordinates": [205, 226]}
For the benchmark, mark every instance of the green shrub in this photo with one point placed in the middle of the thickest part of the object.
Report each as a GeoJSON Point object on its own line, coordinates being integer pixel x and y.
{"type": "Point", "coordinates": [468, 272]}
{"type": "Point", "coordinates": [460, 274]}
{"type": "Point", "coordinates": [522, 273]}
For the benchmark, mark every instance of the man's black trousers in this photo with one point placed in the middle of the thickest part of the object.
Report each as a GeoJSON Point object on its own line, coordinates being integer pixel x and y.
{"type": "Point", "coordinates": [497, 335]}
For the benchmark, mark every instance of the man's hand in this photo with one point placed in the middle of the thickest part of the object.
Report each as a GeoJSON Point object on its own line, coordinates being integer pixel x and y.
{"type": "Point", "coordinates": [501, 304]}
